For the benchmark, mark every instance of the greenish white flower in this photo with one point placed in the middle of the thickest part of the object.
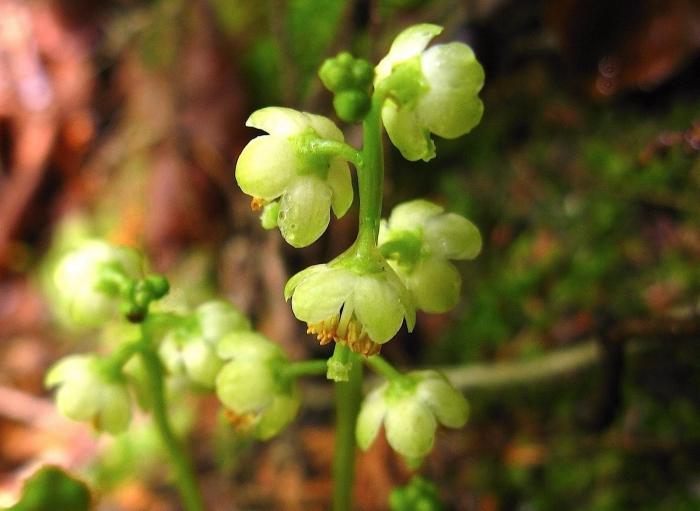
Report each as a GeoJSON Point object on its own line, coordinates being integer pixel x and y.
{"type": "Point", "coordinates": [82, 294]}
{"type": "Point", "coordinates": [410, 409]}
{"type": "Point", "coordinates": [88, 392]}
{"type": "Point", "coordinates": [190, 349]}
{"type": "Point", "coordinates": [432, 90]}
{"type": "Point", "coordinates": [252, 385]}
{"type": "Point", "coordinates": [284, 166]}
{"type": "Point", "coordinates": [360, 309]}
{"type": "Point", "coordinates": [419, 240]}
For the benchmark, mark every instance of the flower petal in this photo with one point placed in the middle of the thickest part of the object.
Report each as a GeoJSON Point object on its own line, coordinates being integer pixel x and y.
{"type": "Point", "coordinates": [451, 106]}
{"type": "Point", "coordinates": [245, 386]}
{"type": "Point", "coordinates": [370, 418]}
{"type": "Point", "coordinates": [378, 307]}
{"type": "Point", "coordinates": [304, 211]}
{"type": "Point", "coordinates": [293, 282]}
{"type": "Point", "coordinates": [447, 403]}
{"type": "Point", "coordinates": [265, 166]}
{"type": "Point", "coordinates": [278, 120]}
{"type": "Point", "coordinates": [412, 215]}
{"type": "Point", "coordinates": [435, 285]}
{"type": "Point", "coordinates": [452, 236]}
{"type": "Point", "coordinates": [324, 127]}
{"type": "Point", "coordinates": [410, 428]}
{"type": "Point", "coordinates": [407, 44]}
{"type": "Point", "coordinates": [320, 296]}
{"type": "Point", "coordinates": [247, 345]}
{"type": "Point", "coordinates": [277, 415]}
{"type": "Point", "coordinates": [340, 181]}
{"type": "Point", "coordinates": [406, 133]}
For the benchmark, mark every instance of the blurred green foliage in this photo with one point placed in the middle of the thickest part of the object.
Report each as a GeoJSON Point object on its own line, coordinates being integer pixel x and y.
{"type": "Point", "coordinates": [52, 489]}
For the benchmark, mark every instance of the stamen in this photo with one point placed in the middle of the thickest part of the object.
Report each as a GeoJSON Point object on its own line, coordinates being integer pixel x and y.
{"type": "Point", "coordinates": [257, 203]}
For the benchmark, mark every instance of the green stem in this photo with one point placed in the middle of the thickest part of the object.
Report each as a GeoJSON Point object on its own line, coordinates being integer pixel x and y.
{"type": "Point", "coordinates": [185, 478]}
{"type": "Point", "coordinates": [305, 368]}
{"type": "Point", "coordinates": [370, 175]}
{"type": "Point", "coordinates": [384, 368]}
{"type": "Point", "coordinates": [348, 397]}
{"type": "Point", "coordinates": [331, 148]}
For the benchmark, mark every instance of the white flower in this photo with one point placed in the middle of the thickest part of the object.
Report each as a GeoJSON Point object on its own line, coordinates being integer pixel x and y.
{"type": "Point", "coordinates": [86, 392]}
{"type": "Point", "coordinates": [283, 166]}
{"type": "Point", "coordinates": [252, 386]}
{"type": "Point", "coordinates": [410, 410]}
{"type": "Point", "coordinates": [418, 240]}
{"type": "Point", "coordinates": [428, 91]}
{"type": "Point", "coordinates": [83, 298]}
{"type": "Point", "coordinates": [361, 310]}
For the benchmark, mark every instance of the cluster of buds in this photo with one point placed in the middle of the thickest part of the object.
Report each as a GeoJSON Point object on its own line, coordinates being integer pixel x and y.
{"type": "Point", "coordinates": [349, 80]}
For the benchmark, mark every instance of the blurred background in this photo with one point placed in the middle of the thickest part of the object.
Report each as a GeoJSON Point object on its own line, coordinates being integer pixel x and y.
{"type": "Point", "coordinates": [576, 341]}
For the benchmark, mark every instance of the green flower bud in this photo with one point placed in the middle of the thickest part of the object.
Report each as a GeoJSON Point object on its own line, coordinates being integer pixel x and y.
{"type": "Point", "coordinates": [362, 309]}
{"type": "Point", "coordinates": [88, 392]}
{"type": "Point", "coordinates": [252, 386]}
{"type": "Point", "coordinates": [410, 409]}
{"type": "Point", "coordinates": [352, 105]}
{"type": "Point", "coordinates": [83, 279]}
{"type": "Point", "coordinates": [438, 94]}
{"type": "Point", "coordinates": [418, 495]}
{"type": "Point", "coordinates": [283, 167]}
{"type": "Point", "coordinates": [217, 318]}
{"type": "Point", "coordinates": [418, 240]}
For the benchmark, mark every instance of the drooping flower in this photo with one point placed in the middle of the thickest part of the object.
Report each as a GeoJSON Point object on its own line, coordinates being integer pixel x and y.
{"type": "Point", "coordinates": [428, 91]}
{"type": "Point", "coordinates": [410, 409]}
{"type": "Point", "coordinates": [419, 240]}
{"type": "Point", "coordinates": [283, 166]}
{"type": "Point", "coordinates": [90, 393]}
{"type": "Point", "coordinates": [252, 385]}
{"type": "Point", "coordinates": [82, 295]}
{"type": "Point", "coordinates": [190, 349]}
{"type": "Point", "coordinates": [360, 309]}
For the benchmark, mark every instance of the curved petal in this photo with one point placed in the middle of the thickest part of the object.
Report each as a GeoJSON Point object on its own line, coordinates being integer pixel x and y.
{"type": "Point", "coordinates": [447, 403]}
{"type": "Point", "coordinates": [410, 428]}
{"type": "Point", "coordinates": [452, 236]}
{"type": "Point", "coordinates": [412, 215]}
{"type": "Point", "coordinates": [450, 108]}
{"type": "Point", "coordinates": [201, 363]}
{"type": "Point", "coordinates": [115, 413]}
{"type": "Point", "coordinates": [265, 166]}
{"type": "Point", "coordinates": [247, 345]}
{"type": "Point", "coordinates": [406, 133]}
{"type": "Point", "coordinates": [378, 307]}
{"type": "Point", "coordinates": [340, 181]}
{"type": "Point", "coordinates": [435, 285]}
{"type": "Point", "coordinates": [304, 211]}
{"type": "Point", "coordinates": [407, 44]}
{"type": "Point", "coordinates": [324, 127]}
{"type": "Point", "coordinates": [277, 415]}
{"type": "Point", "coordinates": [278, 120]}
{"type": "Point", "coordinates": [297, 279]}
{"type": "Point", "coordinates": [217, 318]}
{"type": "Point", "coordinates": [320, 296]}
{"type": "Point", "coordinates": [370, 418]}
{"type": "Point", "coordinates": [245, 387]}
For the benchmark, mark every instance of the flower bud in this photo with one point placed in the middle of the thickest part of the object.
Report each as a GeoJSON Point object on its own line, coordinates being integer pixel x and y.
{"type": "Point", "coordinates": [352, 105]}
{"type": "Point", "coordinates": [84, 281]}
{"type": "Point", "coordinates": [260, 399]}
{"type": "Point", "coordinates": [410, 409]}
{"type": "Point", "coordinates": [88, 392]}
{"type": "Point", "coordinates": [418, 495]}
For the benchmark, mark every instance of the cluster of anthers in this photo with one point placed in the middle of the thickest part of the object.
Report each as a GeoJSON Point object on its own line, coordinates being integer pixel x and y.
{"type": "Point", "coordinates": [350, 333]}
